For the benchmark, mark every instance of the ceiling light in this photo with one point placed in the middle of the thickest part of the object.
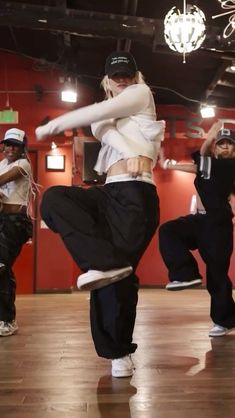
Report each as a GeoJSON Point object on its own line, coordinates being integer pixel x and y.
{"type": "Point", "coordinates": [232, 68]}
{"type": "Point", "coordinates": [207, 111]}
{"type": "Point", "coordinates": [184, 32]}
{"type": "Point", "coordinates": [69, 96]}
{"type": "Point", "coordinates": [69, 92]}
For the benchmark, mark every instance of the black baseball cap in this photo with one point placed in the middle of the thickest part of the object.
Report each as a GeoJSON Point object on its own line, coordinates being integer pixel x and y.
{"type": "Point", "coordinates": [225, 134]}
{"type": "Point", "coordinates": [120, 62]}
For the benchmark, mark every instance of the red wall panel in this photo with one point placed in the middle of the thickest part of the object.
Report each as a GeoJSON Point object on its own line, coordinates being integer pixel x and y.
{"type": "Point", "coordinates": [54, 266]}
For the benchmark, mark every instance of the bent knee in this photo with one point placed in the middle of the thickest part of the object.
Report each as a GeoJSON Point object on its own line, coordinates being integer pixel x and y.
{"type": "Point", "coordinates": [51, 198]}
{"type": "Point", "coordinates": [165, 228]}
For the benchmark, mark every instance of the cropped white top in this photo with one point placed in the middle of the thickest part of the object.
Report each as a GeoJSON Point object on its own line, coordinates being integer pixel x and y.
{"type": "Point", "coordinates": [128, 128]}
{"type": "Point", "coordinates": [126, 138]}
{"type": "Point", "coordinates": [17, 191]}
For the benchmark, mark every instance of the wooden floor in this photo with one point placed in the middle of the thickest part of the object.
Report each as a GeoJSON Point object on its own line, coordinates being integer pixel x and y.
{"type": "Point", "coordinates": [50, 369]}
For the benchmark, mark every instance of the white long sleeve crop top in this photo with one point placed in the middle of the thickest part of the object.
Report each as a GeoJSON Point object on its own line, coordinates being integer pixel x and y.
{"type": "Point", "coordinates": [126, 138]}
{"type": "Point", "coordinates": [131, 110]}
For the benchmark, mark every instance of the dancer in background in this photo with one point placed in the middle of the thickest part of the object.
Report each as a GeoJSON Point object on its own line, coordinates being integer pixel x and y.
{"type": "Point", "coordinates": [232, 202]}
{"type": "Point", "coordinates": [15, 222]}
{"type": "Point", "coordinates": [107, 229]}
{"type": "Point", "coordinates": [209, 230]}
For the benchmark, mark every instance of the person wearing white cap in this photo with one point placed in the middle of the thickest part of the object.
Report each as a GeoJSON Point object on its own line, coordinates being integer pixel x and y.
{"type": "Point", "coordinates": [107, 229]}
{"type": "Point", "coordinates": [15, 222]}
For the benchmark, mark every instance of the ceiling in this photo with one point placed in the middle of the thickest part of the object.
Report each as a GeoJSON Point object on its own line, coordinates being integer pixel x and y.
{"type": "Point", "coordinates": [77, 35]}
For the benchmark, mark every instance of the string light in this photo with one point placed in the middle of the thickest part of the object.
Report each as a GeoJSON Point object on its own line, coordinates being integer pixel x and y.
{"type": "Point", "coordinates": [206, 110]}
{"type": "Point", "coordinates": [230, 28]}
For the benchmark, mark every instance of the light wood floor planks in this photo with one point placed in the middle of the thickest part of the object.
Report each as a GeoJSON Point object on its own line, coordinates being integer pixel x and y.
{"type": "Point", "coordinates": [50, 368]}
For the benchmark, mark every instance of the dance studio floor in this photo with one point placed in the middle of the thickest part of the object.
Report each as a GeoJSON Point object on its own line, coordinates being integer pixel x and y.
{"type": "Point", "coordinates": [50, 368]}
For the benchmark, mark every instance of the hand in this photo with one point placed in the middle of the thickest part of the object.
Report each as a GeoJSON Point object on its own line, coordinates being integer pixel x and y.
{"type": "Point", "coordinates": [135, 166]}
{"type": "Point", "coordinates": [40, 133]}
{"type": "Point", "coordinates": [213, 131]}
{"type": "Point", "coordinates": [161, 158]}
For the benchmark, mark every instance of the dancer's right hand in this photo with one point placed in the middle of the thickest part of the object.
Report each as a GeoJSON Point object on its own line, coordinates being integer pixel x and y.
{"type": "Point", "coordinates": [40, 133]}
{"type": "Point", "coordinates": [137, 165]}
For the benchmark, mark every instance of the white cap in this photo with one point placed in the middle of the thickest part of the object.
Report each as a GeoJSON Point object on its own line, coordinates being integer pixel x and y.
{"type": "Point", "coordinates": [15, 136]}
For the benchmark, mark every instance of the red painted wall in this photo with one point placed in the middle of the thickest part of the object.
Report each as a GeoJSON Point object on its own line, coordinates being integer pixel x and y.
{"type": "Point", "coordinates": [54, 268]}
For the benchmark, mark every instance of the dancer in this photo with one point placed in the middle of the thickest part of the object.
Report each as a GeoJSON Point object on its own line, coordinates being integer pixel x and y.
{"type": "Point", "coordinates": [209, 231]}
{"type": "Point", "coordinates": [232, 202]}
{"type": "Point", "coordinates": [107, 229]}
{"type": "Point", "coordinates": [15, 221]}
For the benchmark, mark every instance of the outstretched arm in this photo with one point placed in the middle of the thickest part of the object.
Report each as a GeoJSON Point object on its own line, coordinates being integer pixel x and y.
{"type": "Point", "coordinates": [168, 164]}
{"type": "Point", "coordinates": [207, 146]}
{"type": "Point", "coordinates": [129, 102]}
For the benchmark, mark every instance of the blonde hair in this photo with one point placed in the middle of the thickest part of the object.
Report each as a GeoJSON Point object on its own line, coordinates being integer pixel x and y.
{"type": "Point", "coordinates": [139, 79]}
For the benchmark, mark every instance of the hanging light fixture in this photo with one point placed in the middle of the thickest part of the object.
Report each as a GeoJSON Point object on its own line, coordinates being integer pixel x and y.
{"type": "Point", "coordinates": [184, 32]}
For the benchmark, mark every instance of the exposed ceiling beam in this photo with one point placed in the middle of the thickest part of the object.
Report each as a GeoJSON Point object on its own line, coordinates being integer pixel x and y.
{"type": "Point", "coordinates": [96, 24]}
{"type": "Point", "coordinates": [132, 9]}
{"type": "Point", "coordinates": [80, 22]}
{"type": "Point", "coordinates": [223, 92]}
{"type": "Point", "coordinates": [61, 3]}
{"type": "Point", "coordinates": [226, 83]}
{"type": "Point", "coordinates": [214, 82]}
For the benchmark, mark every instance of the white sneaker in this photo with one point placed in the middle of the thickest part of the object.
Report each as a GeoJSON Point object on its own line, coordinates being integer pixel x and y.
{"type": "Point", "coordinates": [123, 366]}
{"type": "Point", "coordinates": [8, 328]}
{"type": "Point", "coordinates": [95, 279]}
{"type": "Point", "coordinates": [219, 331]}
{"type": "Point", "coordinates": [176, 285]}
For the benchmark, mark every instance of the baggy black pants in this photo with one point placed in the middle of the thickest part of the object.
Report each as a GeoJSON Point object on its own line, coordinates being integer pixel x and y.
{"type": "Point", "coordinates": [15, 230]}
{"type": "Point", "coordinates": [177, 238]}
{"type": "Point", "coordinates": [212, 235]}
{"type": "Point", "coordinates": [103, 228]}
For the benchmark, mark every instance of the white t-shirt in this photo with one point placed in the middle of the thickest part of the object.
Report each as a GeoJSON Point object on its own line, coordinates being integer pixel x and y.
{"type": "Point", "coordinates": [16, 192]}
